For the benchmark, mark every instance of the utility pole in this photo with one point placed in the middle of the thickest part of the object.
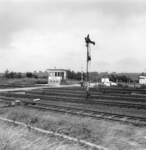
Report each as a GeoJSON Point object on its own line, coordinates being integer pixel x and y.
{"type": "Point", "coordinates": [88, 41]}
{"type": "Point", "coordinates": [82, 73]}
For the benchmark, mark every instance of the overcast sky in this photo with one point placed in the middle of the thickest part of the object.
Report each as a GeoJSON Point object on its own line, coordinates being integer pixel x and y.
{"type": "Point", "coordinates": [41, 34]}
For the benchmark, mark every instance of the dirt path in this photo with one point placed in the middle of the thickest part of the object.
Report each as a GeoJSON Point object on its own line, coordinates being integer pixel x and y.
{"type": "Point", "coordinates": [33, 88]}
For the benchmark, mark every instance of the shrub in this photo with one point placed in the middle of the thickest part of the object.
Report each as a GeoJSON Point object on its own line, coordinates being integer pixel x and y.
{"type": "Point", "coordinates": [41, 81]}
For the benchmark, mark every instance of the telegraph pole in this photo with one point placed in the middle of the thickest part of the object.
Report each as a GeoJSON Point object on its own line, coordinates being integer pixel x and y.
{"type": "Point", "coordinates": [88, 41]}
{"type": "Point", "coordinates": [82, 73]}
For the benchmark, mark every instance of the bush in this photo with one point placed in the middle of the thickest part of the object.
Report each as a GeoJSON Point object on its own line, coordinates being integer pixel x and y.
{"type": "Point", "coordinates": [143, 86]}
{"type": "Point", "coordinates": [120, 85]}
{"type": "Point", "coordinates": [41, 81]}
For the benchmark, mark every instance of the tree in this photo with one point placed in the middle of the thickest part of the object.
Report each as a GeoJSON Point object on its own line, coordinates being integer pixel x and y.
{"type": "Point", "coordinates": [113, 78]}
{"type": "Point", "coordinates": [34, 76]}
{"type": "Point", "coordinates": [93, 76]}
{"type": "Point", "coordinates": [6, 75]}
{"type": "Point", "coordinates": [18, 75]}
{"type": "Point", "coordinates": [71, 75]}
{"type": "Point", "coordinates": [143, 74]}
{"type": "Point", "coordinates": [12, 74]}
{"type": "Point", "coordinates": [78, 76]}
{"type": "Point", "coordinates": [29, 75]}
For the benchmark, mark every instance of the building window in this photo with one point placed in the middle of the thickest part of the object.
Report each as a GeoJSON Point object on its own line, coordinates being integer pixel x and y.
{"type": "Point", "coordinates": [50, 74]}
{"type": "Point", "coordinates": [62, 74]}
{"type": "Point", "coordinates": [55, 74]}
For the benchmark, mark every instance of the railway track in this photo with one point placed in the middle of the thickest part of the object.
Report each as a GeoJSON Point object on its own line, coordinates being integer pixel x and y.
{"type": "Point", "coordinates": [120, 90]}
{"type": "Point", "coordinates": [100, 101]}
{"type": "Point", "coordinates": [138, 121]}
{"type": "Point", "coordinates": [98, 98]}
{"type": "Point", "coordinates": [111, 90]}
{"type": "Point", "coordinates": [96, 90]}
{"type": "Point", "coordinates": [130, 97]}
{"type": "Point", "coordinates": [126, 119]}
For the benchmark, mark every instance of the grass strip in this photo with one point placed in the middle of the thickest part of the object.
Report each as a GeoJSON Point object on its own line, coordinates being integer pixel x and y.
{"type": "Point", "coordinates": [55, 134]}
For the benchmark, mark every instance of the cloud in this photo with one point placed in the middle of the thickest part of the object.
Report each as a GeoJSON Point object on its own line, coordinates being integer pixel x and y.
{"type": "Point", "coordinates": [129, 64]}
{"type": "Point", "coordinates": [13, 19]}
{"type": "Point", "coordinates": [60, 16]}
{"type": "Point", "coordinates": [55, 30]}
{"type": "Point", "coordinates": [101, 66]}
{"type": "Point", "coordinates": [121, 10]}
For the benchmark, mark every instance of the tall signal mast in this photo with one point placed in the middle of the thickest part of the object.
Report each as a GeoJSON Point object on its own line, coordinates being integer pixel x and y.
{"type": "Point", "coordinates": [88, 41]}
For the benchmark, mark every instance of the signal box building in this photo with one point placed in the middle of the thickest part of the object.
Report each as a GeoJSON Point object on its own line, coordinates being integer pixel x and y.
{"type": "Point", "coordinates": [55, 76]}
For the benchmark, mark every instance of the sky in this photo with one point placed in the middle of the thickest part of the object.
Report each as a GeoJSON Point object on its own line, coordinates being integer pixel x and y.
{"type": "Point", "coordinates": [36, 35]}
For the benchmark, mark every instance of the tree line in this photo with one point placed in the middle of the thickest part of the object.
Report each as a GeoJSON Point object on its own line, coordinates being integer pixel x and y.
{"type": "Point", "coordinates": [12, 75]}
{"type": "Point", "coordinates": [96, 77]}
{"type": "Point", "coordinates": [120, 78]}
{"type": "Point", "coordinates": [72, 75]}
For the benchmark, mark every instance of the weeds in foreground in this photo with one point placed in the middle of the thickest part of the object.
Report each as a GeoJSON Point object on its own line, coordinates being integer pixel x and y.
{"type": "Point", "coordinates": [17, 138]}
{"type": "Point", "coordinates": [108, 134]}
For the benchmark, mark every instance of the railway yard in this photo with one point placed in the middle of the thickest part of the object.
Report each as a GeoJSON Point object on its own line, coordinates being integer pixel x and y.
{"type": "Point", "coordinates": [123, 106]}
{"type": "Point", "coordinates": [115, 104]}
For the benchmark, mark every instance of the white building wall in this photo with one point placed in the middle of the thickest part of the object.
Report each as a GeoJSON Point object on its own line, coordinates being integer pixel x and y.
{"type": "Point", "coordinates": [142, 79]}
{"type": "Point", "coordinates": [104, 79]}
{"type": "Point", "coordinates": [64, 74]}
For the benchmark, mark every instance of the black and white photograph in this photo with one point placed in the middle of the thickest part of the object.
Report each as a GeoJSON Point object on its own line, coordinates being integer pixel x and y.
{"type": "Point", "coordinates": [72, 75]}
